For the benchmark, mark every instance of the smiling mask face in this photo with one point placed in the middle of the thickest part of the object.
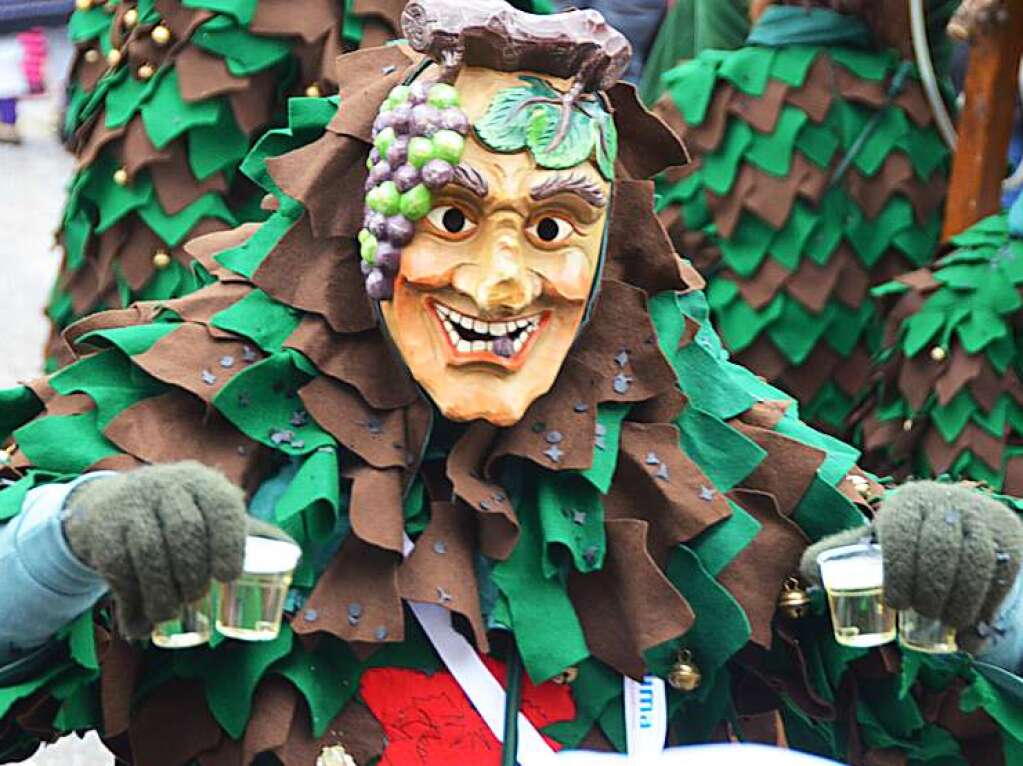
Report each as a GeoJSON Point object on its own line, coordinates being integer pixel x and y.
{"type": "Point", "coordinates": [492, 289]}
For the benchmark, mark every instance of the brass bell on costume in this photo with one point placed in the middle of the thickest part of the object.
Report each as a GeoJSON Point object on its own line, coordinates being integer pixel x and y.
{"type": "Point", "coordinates": [567, 676]}
{"type": "Point", "coordinates": [684, 675]}
{"type": "Point", "coordinates": [160, 35]}
{"type": "Point", "coordinates": [161, 260]}
{"type": "Point", "coordinates": [793, 601]}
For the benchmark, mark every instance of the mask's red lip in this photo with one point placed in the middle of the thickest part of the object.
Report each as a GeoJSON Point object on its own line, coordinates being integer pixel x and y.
{"type": "Point", "coordinates": [476, 344]}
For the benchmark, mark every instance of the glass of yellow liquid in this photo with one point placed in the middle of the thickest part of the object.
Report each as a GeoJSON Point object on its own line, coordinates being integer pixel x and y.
{"type": "Point", "coordinates": [251, 607]}
{"type": "Point", "coordinates": [853, 578]}
{"type": "Point", "coordinates": [926, 634]}
{"type": "Point", "coordinates": [192, 628]}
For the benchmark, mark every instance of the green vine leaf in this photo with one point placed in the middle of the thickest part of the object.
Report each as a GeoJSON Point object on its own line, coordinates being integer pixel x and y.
{"type": "Point", "coordinates": [503, 127]}
{"type": "Point", "coordinates": [607, 146]}
{"type": "Point", "coordinates": [574, 148]}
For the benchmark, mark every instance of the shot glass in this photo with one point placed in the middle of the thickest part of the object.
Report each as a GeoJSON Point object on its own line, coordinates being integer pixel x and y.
{"type": "Point", "coordinates": [926, 634]}
{"type": "Point", "coordinates": [251, 607]}
{"type": "Point", "coordinates": [853, 578]}
{"type": "Point", "coordinates": [192, 628]}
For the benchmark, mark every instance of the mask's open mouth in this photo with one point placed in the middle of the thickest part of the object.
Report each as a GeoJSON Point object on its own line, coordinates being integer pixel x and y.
{"type": "Point", "coordinates": [474, 339]}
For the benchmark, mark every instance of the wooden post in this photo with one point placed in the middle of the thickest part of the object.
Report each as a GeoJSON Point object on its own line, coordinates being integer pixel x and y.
{"type": "Point", "coordinates": [985, 125]}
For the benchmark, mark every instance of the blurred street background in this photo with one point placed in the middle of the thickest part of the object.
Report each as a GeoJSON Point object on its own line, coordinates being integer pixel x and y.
{"type": "Point", "coordinates": [32, 186]}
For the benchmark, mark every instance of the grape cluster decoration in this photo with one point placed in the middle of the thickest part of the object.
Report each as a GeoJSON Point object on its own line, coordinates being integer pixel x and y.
{"type": "Point", "coordinates": [418, 139]}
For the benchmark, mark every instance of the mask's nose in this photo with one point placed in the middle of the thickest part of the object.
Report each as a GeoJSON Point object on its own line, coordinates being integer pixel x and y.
{"type": "Point", "coordinates": [499, 283]}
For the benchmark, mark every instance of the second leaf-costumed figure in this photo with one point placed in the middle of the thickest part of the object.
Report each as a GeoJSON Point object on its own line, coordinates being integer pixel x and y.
{"type": "Point", "coordinates": [462, 365]}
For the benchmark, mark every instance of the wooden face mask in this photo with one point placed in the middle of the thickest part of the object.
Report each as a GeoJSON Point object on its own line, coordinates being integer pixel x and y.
{"type": "Point", "coordinates": [488, 293]}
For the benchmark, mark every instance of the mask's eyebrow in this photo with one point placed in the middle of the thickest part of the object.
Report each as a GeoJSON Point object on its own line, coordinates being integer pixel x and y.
{"type": "Point", "coordinates": [570, 183]}
{"type": "Point", "coordinates": [471, 179]}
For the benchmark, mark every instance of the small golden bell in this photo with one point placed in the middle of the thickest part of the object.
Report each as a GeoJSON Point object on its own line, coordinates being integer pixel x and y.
{"type": "Point", "coordinates": [684, 675]}
{"type": "Point", "coordinates": [161, 35]}
{"type": "Point", "coordinates": [907, 424]}
{"type": "Point", "coordinates": [145, 71]}
{"type": "Point", "coordinates": [91, 56]}
{"type": "Point", "coordinates": [938, 354]}
{"type": "Point", "coordinates": [161, 260]}
{"type": "Point", "coordinates": [793, 601]}
{"type": "Point", "coordinates": [130, 18]}
{"type": "Point", "coordinates": [567, 676]}
{"type": "Point", "coordinates": [121, 177]}
{"type": "Point", "coordinates": [83, 5]}
{"type": "Point", "coordinates": [313, 91]}
{"type": "Point", "coordinates": [114, 57]}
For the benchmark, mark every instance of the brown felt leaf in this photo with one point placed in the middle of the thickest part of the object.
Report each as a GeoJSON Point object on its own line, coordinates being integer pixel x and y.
{"type": "Point", "coordinates": [178, 426]}
{"type": "Point", "coordinates": [498, 525]}
{"type": "Point", "coordinates": [817, 92]}
{"type": "Point", "coordinates": [440, 569]}
{"type": "Point", "coordinates": [656, 482]}
{"type": "Point", "coordinates": [762, 287]}
{"type": "Point", "coordinates": [629, 606]}
{"type": "Point", "coordinates": [176, 187]}
{"type": "Point", "coordinates": [363, 360]}
{"type": "Point", "coordinates": [356, 598]}
{"type": "Point", "coordinates": [640, 253]}
{"type": "Point", "coordinates": [121, 663]}
{"type": "Point", "coordinates": [278, 18]}
{"type": "Point", "coordinates": [646, 144]}
{"type": "Point", "coordinates": [203, 248]}
{"type": "Point", "coordinates": [379, 437]}
{"type": "Point", "coordinates": [376, 508]}
{"type": "Point", "coordinates": [788, 469]}
{"type": "Point", "coordinates": [172, 725]}
{"type": "Point", "coordinates": [756, 575]}
{"type": "Point", "coordinates": [761, 112]}
{"type": "Point", "coordinates": [364, 84]}
{"type": "Point", "coordinates": [331, 284]}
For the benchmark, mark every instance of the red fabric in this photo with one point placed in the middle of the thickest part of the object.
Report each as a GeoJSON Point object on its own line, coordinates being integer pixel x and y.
{"type": "Point", "coordinates": [429, 721]}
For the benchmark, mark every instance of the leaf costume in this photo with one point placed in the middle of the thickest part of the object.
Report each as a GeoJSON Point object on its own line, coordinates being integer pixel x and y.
{"type": "Point", "coordinates": [947, 397]}
{"type": "Point", "coordinates": [615, 524]}
{"type": "Point", "coordinates": [166, 99]}
{"type": "Point", "coordinates": [817, 173]}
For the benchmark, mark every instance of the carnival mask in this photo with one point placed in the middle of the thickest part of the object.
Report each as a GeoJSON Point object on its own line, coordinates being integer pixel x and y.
{"type": "Point", "coordinates": [485, 294]}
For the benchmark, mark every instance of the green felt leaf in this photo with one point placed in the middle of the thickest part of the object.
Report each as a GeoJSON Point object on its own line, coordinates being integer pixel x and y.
{"type": "Point", "coordinates": [717, 546]}
{"type": "Point", "coordinates": [744, 251]}
{"type": "Point", "coordinates": [261, 400]}
{"type": "Point", "coordinates": [595, 688]}
{"type": "Point", "coordinates": [327, 676]}
{"type": "Point", "coordinates": [82, 641]}
{"type": "Point", "coordinates": [232, 679]}
{"type": "Point", "coordinates": [605, 450]}
{"type": "Point", "coordinates": [18, 405]}
{"type": "Point", "coordinates": [792, 63]}
{"type": "Point", "coordinates": [748, 69]}
{"type": "Point", "coordinates": [124, 95]}
{"type": "Point", "coordinates": [244, 53]}
{"type": "Point", "coordinates": [772, 152]}
{"type": "Point", "coordinates": [173, 229]}
{"type": "Point", "coordinates": [721, 167]}
{"type": "Point", "coordinates": [824, 511]}
{"type": "Point", "coordinates": [572, 521]}
{"type": "Point", "coordinates": [546, 628]}
{"type": "Point", "coordinates": [724, 454]}
{"type": "Point", "coordinates": [692, 87]}
{"type": "Point", "coordinates": [110, 380]}
{"type": "Point", "coordinates": [132, 340]}
{"type": "Point", "coordinates": [217, 147]}
{"type": "Point", "coordinates": [259, 318]}
{"type": "Point", "coordinates": [310, 504]}
{"type": "Point", "coordinates": [89, 24]}
{"type": "Point", "coordinates": [166, 115]}
{"type": "Point", "coordinates": [241, 10]}
{"type": "Point", "coordinates": [65, 444]}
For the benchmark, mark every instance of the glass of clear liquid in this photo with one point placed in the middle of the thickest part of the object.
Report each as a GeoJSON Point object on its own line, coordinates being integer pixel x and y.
{"type": "Point", "coordinates": [192, 628]}
{"type": "Point", "coordinates": [926, 634]}
{"type": "Point", "coordinates": [853, 578]}
{"type": "Point", "coordinates": [251, 607]}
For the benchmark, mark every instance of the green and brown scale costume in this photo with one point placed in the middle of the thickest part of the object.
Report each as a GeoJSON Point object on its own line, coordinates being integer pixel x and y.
{"type": "Point", "coordinates": [159, 134]}
{"type": "Point", "coordinates": [670, 515]}
{"type": "Point", "coordinates": [817, 173]}
{"type": "Point", "coordinates": [948, 398]}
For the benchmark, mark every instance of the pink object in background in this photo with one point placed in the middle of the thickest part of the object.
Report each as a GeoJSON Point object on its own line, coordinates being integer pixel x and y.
{"type": "Point", "coordinates": [33, 61]}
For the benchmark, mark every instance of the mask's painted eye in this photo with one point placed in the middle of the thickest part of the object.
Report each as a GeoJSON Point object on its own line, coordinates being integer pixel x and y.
{"type": "Point", "coordinates": [550, 230]}
{"type": "Point", "coordinates": [451, 220]}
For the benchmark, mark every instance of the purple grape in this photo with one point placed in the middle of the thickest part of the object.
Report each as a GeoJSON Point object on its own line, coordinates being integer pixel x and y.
{"type": "Point", "coordinates": [376, 223]}
{"type": "Point", "coordinates": [388, 257]}
{"type": "Point", "coordinates": [419, 92]}
{"type": "Point", "coordinates": [400, 230]}
{"type": "Point", "coordinates": [425, 120]}
{"type": "Point", "coordinates": [383, 120]}
{"type": "Point", "coordinates": [405, 177]}
{"type": "Point", "coordinates": [437, 174]}
{"type": "Point", "coordinates": [378, 286]}
{"type": "Point", "coordinates": [397, 152]}
{"type": "Point", "coordinates": [374, 155]}
{"type": "Point", "coordinates": [401, 117]}
{"type": "Point", "coordinates": [366, 268]}
{"type": "Point", "coordinates": [454, 119]}
{"type": "Point", "coordinates": [381, 172]}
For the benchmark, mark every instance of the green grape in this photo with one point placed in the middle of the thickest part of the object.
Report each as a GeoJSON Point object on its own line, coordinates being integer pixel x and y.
{"type": "Point", "coordinates": [448, 146]}
{"type": "Point", "coordinates": [420, 151]}
{"type": "Point", "coordinates": [442, 96]}
{"type": "Point", "coordinates": [416, 202]}
{"type": "Point", "coordinates": [398, 94]}
{"type": "Point", "coordinates": [368, 248]}
{"type": "Point", "coordinates": [384, 139]}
